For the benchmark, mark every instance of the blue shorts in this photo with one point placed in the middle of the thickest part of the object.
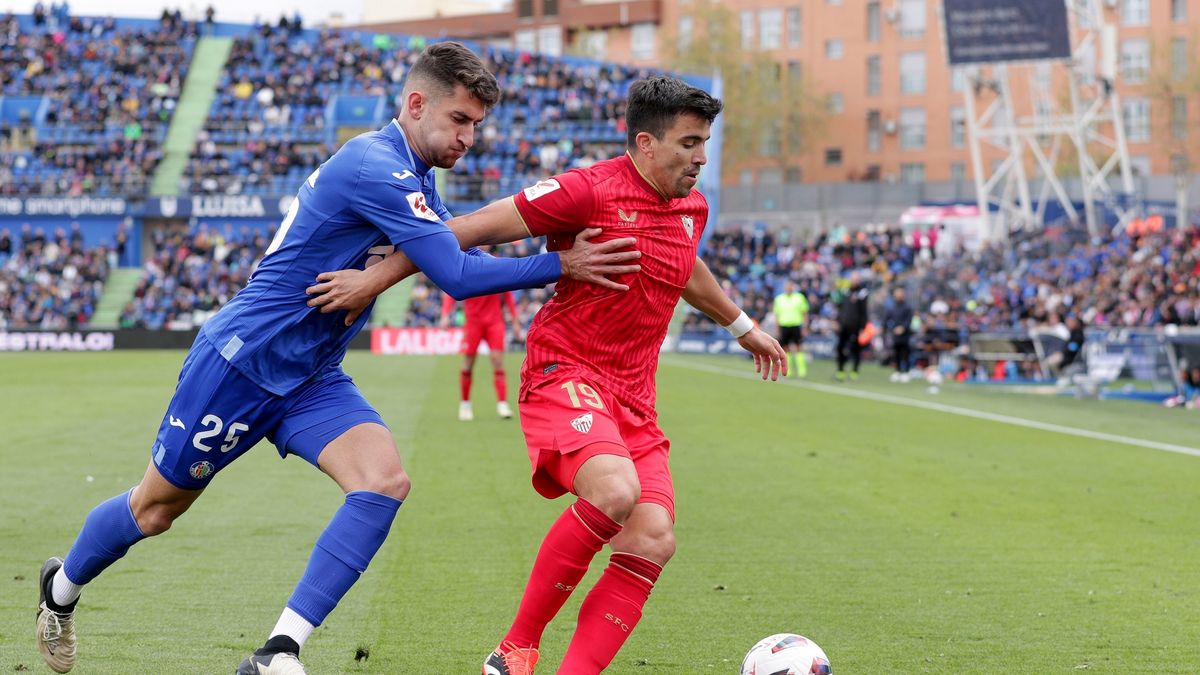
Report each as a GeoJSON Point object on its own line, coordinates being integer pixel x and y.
{"type": "Point", "coordinates": [217, 413]}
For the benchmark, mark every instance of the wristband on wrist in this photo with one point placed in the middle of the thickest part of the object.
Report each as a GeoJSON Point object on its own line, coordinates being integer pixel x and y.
{"type": "Point", "coordinates": [740, 326]}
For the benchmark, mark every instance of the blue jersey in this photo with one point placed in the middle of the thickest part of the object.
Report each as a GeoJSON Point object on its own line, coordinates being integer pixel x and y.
{"type": "Point", "coordinates": [371, 196]}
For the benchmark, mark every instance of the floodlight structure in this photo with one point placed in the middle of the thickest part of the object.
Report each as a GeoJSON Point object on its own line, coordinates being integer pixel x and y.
{"type": "Point", "coordinates": [1088, 120]}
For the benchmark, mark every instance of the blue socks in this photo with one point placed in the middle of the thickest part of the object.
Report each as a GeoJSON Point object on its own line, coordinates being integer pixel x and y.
{"type": "Point", "coordinates": [108, 532]}
{"type": "Point", "coordinates": [342, 553]}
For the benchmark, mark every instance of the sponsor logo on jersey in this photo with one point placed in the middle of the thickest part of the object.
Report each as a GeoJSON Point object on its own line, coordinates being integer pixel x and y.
{"type": "Point", "coordinates": [583, 423]}
{"type": "Point", "coordinates": [627, 217]}
{"type": "Point", "coordinates": [687, 225]}
{"type": "Point", "coordinates": [420, 209]}
{"type": "Point", "coordinates": [542, 187]}
{"type": "Point", "coordinates": [200, 470]}
{"type": "Point", "coordinates": [175, 421]}
{"type": "Point", "coordinates": [402, 176]}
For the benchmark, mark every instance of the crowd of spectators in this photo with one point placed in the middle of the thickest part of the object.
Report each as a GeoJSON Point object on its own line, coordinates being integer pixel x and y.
{"type": "Point", "coordinates": [554, 114]}
{"type": "Point", "coordinates": [50, 282]}
{"type": "Point", "coordinates": [111, 93]}
{"type": "Point", "coordinates": [189, 276]}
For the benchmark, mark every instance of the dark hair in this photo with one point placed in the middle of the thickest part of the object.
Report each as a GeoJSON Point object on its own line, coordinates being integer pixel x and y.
{"type": "Point", "coordinates": [446, 64]}
{"type": "Point", "coordinates": [654, 104]}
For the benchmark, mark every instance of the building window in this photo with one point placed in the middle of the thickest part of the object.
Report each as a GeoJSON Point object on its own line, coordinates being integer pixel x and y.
{"type": "Point", "coordinates": [746, 177]}
{"type": "Point", "coordinates": [746, 18]}
{"type": "Point", "coordinates": [595, 44]}
{"type": "Point", "coordinates": [833, 156]}
{"type": "Point", "coordinates": [912, 73]}
{"type": "Point", "coordinates": [549, 7]}
{"type": "Point", "coordinates": [770, 28]}
{"type": "Point", "coordinates": [1137, 120]}
{"type": "Point", "coordinates": [912, 172]}
{"type": "Point", "coordinates": [685, 31]}
{"type": "Point", "coordinates": [1135, 12]}
{"type": "Point", "coordinates": [524, 9]}
{"type": "Point", "coordinates": [793, 26]}
{"type": "Point", "coordinates": [1041, 74]}
{"type": "Point", "coordinates": [1179, 117]}
{"type": "Point", "coordinates": [958, 79]}
{"type": "Point", "coordinates": [873, 25]}
{"type": "Point", "coordinates": [642, 36]}
{"type": "Point", "coordinates": [1179, 11]}
{"type": "Point", "coordinates": [833, 49]}
{"type": "Point", "coordinates": [912, 19]}
{"type": "Point", "coordinates": [1179, 58]}
{"type": "Point", "coordinates": [874, 132]}
{"type": "Point", "coordinates": [1135, 60]}
{"type": "Point", "coordinates": [793, 175]}
{"type": "Point", "coordinates": [912, 128]}
{"type": "Point", "coordinates": [874, 80]}
{"type": "Point", "coordinates": [772, 139]}
{"type": "Point", "coordinates": [958, 126]}
{"type": "Point", "coordinates": [795, 74]}
{"type": "Point", "coordinates": [834, 103]}
{"type": "Point", "coordinates": [958, 173]}
{"type": "Point", "coordinates": [550, 40]}
{"type": "Point", "coordinates": [525, 40]}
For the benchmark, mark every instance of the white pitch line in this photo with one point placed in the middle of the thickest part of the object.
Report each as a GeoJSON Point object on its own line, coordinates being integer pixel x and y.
{"type": "Point", "coordinates": [952, 410]}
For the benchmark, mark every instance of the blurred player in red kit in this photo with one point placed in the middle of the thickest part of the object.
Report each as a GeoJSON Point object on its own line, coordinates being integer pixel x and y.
{"type": "Point", "coordinates": [483, 321]}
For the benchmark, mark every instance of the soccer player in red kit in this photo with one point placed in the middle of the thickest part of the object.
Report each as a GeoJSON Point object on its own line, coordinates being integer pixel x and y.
{"type": "Point", "coordinates": [483, 321]}
{"type": "Point", "coordinates": [587, 396]}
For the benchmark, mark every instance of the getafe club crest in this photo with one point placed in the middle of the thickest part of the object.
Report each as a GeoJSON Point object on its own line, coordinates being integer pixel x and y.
{"type": "Point", "coordinates": [583, 423]}
{"type": "Point", "coordinates": [200, 470]}
{"type": "Point", "coordinates": [687, 225]}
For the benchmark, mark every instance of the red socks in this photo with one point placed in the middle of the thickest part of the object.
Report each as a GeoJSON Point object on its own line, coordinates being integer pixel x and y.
{"type": "Point", "coordinates": [499, 381]}
{"type": "Point", "coordinates": [567, 550]}
{"type": "Point", "coordinates": [464, 383]}
{"type": "Point", "coordinates": [501, 384]}
{"type": "Point", "coordinates": [609, 613]}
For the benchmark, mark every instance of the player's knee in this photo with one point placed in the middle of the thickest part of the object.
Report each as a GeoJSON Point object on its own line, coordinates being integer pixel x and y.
{"type": "Point", "coordinates": [657, 544]}
{"type": "Point", "coordinates": [154, 519]}
{"type": "Point", "coordinates": [394, 483]}
{"type": "Point", "coordinates": [617, 498]}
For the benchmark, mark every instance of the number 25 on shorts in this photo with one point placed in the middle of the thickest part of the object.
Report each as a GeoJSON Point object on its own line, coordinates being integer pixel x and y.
{"type": "Point", "coordinates": [582, 392]}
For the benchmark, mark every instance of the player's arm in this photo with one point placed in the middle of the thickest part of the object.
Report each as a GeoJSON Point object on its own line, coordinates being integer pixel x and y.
{"type": "Point", "coordinates": [353, 290]}
{"type": "Point", "coordinates": [704, 293]}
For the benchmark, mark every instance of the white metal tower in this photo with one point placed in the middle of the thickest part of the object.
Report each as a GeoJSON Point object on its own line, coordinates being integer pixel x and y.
{"type": "Point", "coordinates": [1086, 118]}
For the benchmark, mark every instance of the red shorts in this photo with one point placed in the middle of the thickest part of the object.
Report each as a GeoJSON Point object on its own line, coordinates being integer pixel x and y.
{"type": "Point", "coordinates": [491, 332]}
{"type": "Point", "coordinates": [568, 419]}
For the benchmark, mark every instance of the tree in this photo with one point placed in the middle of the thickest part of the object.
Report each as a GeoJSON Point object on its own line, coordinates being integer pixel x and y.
{"type": "Point", "coordinates": [768, 117]}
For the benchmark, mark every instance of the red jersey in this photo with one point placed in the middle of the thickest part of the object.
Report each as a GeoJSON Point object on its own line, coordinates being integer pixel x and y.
{"type": "Point", "coordinates": [615, 336]}
{"type": "Point", "coordinates": [482, 310]}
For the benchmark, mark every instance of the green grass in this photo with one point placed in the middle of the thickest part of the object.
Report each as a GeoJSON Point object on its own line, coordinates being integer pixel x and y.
{"type": "Point", "coordinates": [902, 540]}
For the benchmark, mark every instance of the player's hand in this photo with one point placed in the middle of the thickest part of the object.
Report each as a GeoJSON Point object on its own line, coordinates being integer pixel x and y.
{"type": "Point", "coordinates": [342, 291]}
{"type": "Point", "coordinates": [592, 263]}
{"type": "Point", "coordinates": [770, 359]}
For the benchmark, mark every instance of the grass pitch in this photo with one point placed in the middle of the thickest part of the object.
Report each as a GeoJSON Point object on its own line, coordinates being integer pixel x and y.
{"type": "Point", "coordinates": [902, 539]}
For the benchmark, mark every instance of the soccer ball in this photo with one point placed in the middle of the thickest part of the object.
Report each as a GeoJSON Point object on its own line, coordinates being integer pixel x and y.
{"type": "Point", "coordinates": [786, 654]}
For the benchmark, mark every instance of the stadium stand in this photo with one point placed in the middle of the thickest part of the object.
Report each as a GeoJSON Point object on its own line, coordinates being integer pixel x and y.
{"type": "Point", "coordinates": [49, 281]}
{"type": "Point", "coordinates": [87, 104]}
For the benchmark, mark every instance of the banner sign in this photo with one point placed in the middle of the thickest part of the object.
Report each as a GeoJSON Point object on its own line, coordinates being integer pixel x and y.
{"type": "Point", "coordinates": [218, 206]}
{"type": "Point", "coordinates": [52, 341]}
{"type": "Point", "coordinates": [70, 207]}
{"type": "Point", "coordinates": [416, 340]}
{"type": "Point", "coordinates": [991, 31]}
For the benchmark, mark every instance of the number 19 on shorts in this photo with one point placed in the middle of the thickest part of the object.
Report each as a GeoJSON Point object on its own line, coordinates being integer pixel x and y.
{"type": "Point", "coordinates": [581, 394]}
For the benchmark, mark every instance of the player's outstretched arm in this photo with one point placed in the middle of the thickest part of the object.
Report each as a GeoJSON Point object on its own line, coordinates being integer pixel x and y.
{"type": "Point", "coordinates": [704, 293]}
{"type": "Point", "coordinates": [352, 291]}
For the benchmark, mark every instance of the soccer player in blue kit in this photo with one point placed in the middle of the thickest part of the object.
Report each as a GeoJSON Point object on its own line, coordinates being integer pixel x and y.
{"type": "Point", "coordinates": [269, 366]}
